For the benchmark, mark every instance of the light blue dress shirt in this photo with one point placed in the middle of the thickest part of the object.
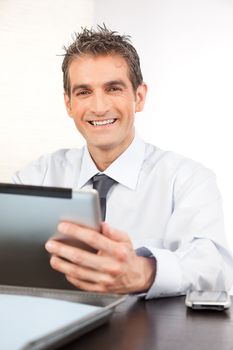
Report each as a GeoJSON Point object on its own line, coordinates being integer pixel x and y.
{"type": "Point", "coordinates": [169, 206]}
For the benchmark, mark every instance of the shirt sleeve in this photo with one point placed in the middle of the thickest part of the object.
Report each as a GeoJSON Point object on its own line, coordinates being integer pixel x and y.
{"type": "Point", "coordinates": [33, 174]}
{"type": "Point", "coordinates": [194, 254]}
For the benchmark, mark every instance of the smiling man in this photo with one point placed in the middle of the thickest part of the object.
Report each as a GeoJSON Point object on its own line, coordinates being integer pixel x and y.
{"type": "Point", "coordinates": [163, 233]}
{"type": "Point", "coordinates": [102, 103]}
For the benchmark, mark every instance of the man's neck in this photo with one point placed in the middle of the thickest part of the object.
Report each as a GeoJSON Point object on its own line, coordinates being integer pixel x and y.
{"type": "Point", "coordinates": [103, 158]}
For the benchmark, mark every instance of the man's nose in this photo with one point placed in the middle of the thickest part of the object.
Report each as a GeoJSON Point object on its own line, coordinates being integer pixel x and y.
{"type": "Point", "coordinates": [100, 104]}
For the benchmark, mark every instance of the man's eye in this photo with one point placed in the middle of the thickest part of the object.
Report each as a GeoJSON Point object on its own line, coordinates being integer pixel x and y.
{"type": "Point", "coordinates": [114, 89]}
{"type": "Point", "coordinates": [83, 93]}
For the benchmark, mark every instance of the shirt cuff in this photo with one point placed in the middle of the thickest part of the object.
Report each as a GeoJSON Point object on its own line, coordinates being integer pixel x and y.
{"type": "Point", "coordinates": [168, 279]}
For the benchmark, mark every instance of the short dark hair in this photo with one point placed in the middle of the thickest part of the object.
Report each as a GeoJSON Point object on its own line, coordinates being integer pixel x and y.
{"type": "Point", "coordinates": [102, 41]}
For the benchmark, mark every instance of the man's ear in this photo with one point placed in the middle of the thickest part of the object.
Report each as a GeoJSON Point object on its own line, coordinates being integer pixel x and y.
{"type": "Point", "coordinates": [140, 97]}
{"type": "Point", "coordinates": [68, 104]}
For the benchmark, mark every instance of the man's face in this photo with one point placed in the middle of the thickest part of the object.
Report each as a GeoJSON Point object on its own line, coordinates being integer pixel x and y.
{"type": "Point", "coordinates": [102, 101]}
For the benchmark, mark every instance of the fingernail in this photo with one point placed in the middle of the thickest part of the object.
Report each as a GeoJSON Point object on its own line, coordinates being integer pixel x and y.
{"type": "Point", "coordinates": [62, 227]}
{"type": "Point", "coordinates": [49, 246]}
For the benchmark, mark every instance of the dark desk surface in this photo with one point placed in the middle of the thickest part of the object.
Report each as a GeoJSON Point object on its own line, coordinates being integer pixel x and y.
{"type": "Point", "coordinates": [161, 324]}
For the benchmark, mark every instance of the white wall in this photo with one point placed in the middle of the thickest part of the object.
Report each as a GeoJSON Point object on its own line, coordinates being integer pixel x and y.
{"type": "Point", "coordinates": [33, 119]}
{"type": "Point", "coordinates": [186, 50]}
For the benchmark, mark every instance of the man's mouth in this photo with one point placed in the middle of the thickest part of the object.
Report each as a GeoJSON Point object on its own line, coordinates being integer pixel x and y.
{"type": "Point", "coordinates": [102, 122]}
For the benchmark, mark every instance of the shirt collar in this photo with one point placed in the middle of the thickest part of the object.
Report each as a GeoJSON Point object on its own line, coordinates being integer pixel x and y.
{"type": "Point", "coordinates": [131, 159]}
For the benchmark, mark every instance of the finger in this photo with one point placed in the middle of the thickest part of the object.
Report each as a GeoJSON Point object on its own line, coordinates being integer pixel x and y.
{"type": "Point", "coordinates": [93, 287]}
{"type": "Point", "coordinates": [72, 254]}
{"type": "Point", "coordinates": [114, 234]}
{"type": "Point", "coordinates": [87, 286]}
{"type": "Point", "coordinates": [83, 258]}
{"type": "Point", "coordinates": [80, 273]}
{"type": "Point", "coordinates": [92, 238]}
{"type": "Point", "coordinates": [124, 248]}
{"type": "Point", "coordinates": [80, 232]}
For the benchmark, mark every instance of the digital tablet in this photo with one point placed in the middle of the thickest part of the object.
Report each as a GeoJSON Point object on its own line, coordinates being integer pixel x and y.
{"type": "Point", "coordinates": [29, 215]}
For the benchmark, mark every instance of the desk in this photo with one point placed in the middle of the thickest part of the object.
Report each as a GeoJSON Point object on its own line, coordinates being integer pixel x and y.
{"type": "Point", "coordinates": [160, 324]}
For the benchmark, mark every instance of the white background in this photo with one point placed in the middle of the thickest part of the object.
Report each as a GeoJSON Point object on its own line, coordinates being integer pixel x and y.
{"type": "Point", "coordinates": [33, 119]}
{"type": "Point", "coordinates": [186, 50]}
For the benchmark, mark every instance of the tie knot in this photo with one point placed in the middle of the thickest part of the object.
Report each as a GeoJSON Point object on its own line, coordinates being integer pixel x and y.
{"type": "Point", "coordinates": [102, 183]}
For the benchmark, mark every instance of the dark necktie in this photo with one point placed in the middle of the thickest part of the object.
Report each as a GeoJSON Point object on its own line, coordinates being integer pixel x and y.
{"type": "Point", "coordinates": [102, 183]}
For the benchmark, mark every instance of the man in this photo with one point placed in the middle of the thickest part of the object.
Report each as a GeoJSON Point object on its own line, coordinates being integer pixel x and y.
{"type": "Point", "coordinates": [164, 232]}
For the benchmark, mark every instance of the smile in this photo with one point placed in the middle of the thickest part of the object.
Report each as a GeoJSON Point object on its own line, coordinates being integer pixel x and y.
{"type": "Point", "coordinates": [102, 122]}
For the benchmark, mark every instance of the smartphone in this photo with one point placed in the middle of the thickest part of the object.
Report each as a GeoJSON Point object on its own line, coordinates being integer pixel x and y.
{"type": "Point", "coordinates": [211, 300]}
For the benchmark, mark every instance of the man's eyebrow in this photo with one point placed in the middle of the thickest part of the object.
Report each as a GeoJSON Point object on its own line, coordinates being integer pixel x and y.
{"type": "Point", "coordinates": [116, 82]}
{"type": "Point", "coordinates": [108, 83]}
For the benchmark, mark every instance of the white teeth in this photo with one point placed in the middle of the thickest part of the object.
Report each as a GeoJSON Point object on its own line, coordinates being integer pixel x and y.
{"type": "Point", "coordinates": [102, 122]}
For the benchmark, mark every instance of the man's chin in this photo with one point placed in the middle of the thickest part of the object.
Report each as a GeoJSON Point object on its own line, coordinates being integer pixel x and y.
{"type": "Point", "coordinates": [104, 146]}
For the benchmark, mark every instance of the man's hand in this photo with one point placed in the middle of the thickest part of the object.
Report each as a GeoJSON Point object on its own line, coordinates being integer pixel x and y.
{"type": "Point", "coordinates": [115, 268]}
